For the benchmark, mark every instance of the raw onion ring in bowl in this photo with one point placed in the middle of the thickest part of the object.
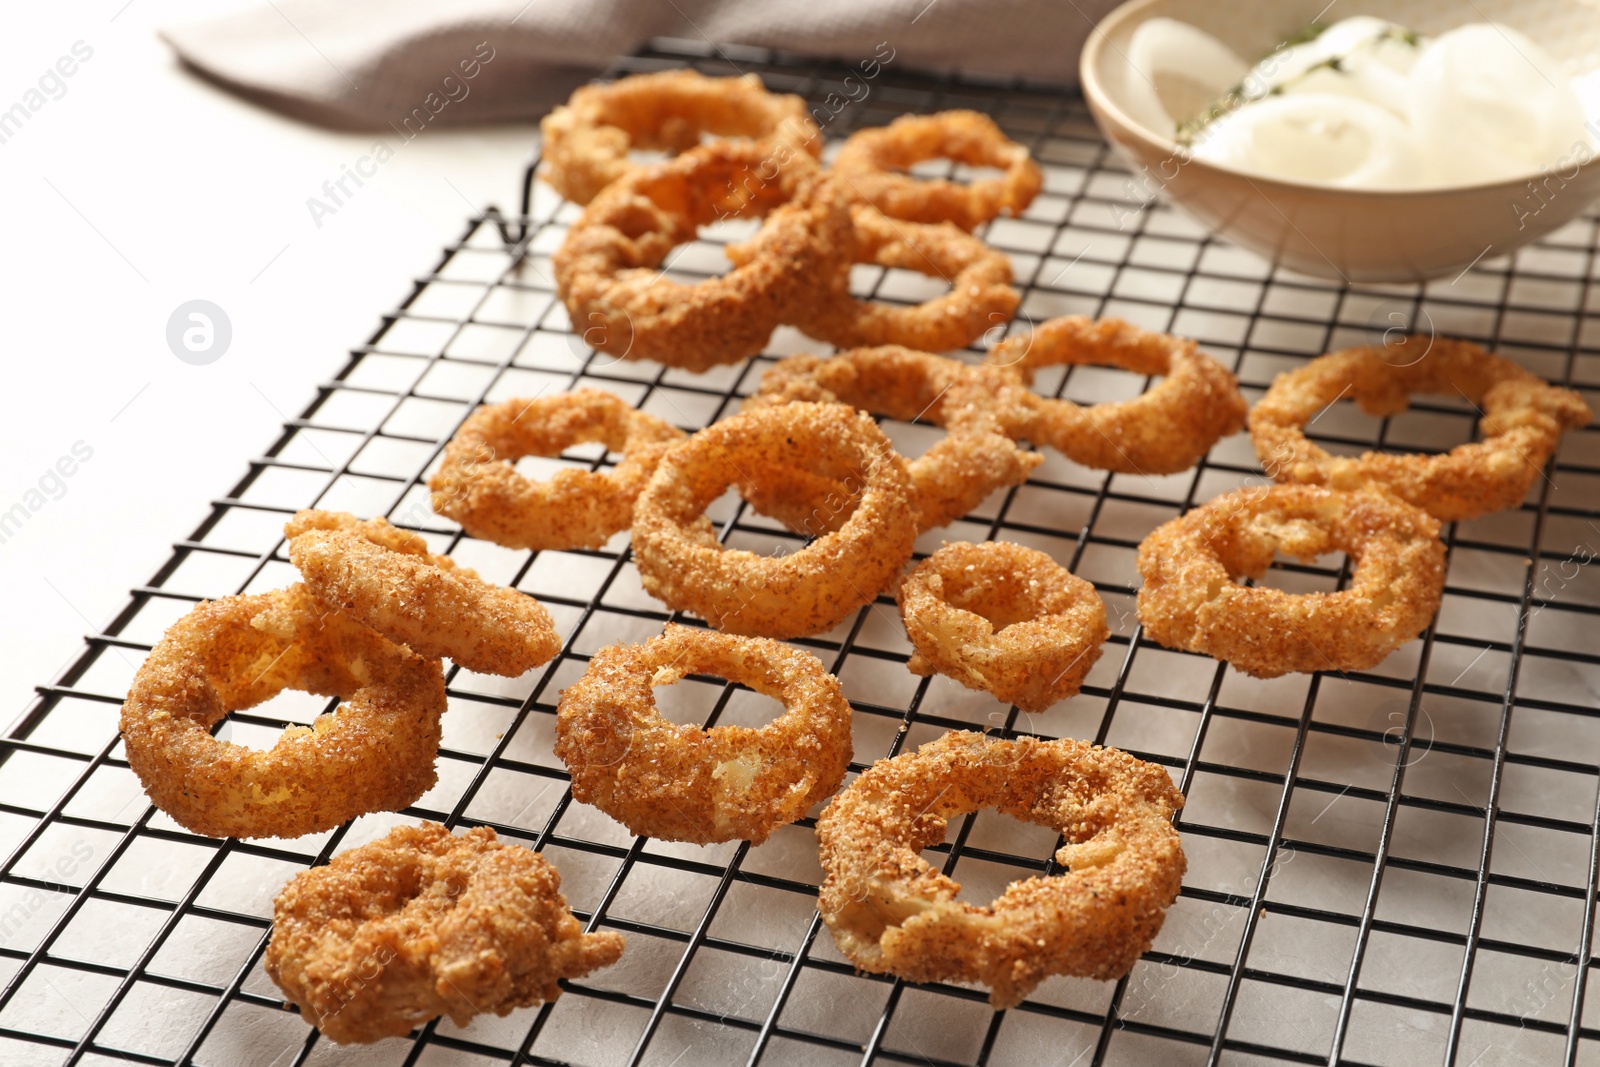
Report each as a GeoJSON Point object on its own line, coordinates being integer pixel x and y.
{"type": "Point", "coordinates": [1336, 139]}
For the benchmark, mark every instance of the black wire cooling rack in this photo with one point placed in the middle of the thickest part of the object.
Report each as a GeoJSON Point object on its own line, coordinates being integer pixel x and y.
{"type": "Point", "coordinates": [1390, 867]}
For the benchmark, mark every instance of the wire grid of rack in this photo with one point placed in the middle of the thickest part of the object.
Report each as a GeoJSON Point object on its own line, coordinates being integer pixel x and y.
{"type": "Point", "coordinates": [1388, 867]}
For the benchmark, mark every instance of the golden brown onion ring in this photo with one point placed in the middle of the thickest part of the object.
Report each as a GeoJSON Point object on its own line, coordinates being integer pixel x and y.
{"type": "Point", "coordinates": [478, 486]}
{"type": "Point", "coordinates": [1164, 431]}
{"type": "Point", "coordinates": [1003, 618]}
{"type": "Point", "coordinates": [871, 159]}
{"type": "Point", "coordinates": [950, 479]}
{"type": "Point", "coordinates": [1522, 416]}
{"type": "Point", "coordinates": [681, 783]}
{"type": "Point", "coordinates": [587, 140]}
{"type": "Point", "coordinates": [420, 924]}
{"type": "Point", "coordinates": [1192, 601]}
{"type": "Point", "coordinates": [805, 592]}
{"type": "Point", "coordinates": [891, 913]}
{"type": "Point", "coordinates": [980, 296]}
{"type": "Point", "coordinates": [387, 579]}
{"type": "Point", "coordinates": [375, 753]}
{"type": "Point", "coordinates": [609, 270]}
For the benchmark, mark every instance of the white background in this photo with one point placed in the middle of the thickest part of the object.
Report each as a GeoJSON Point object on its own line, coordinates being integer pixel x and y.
{"type": "Point", "coordinates": [141, 188]}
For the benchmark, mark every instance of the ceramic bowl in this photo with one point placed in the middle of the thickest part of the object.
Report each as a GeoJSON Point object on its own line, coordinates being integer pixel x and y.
{"type": "Point", "coordinates": [1344, 234]}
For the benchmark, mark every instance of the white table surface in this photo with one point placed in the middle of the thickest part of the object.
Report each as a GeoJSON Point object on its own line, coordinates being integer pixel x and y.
{"type": "Point", "coordinates": [140, 188]}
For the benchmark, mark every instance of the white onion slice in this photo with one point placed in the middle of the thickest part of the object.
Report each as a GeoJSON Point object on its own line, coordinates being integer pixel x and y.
{"type": "Point", "coordinates": [1374, 83]}
{"type": "Point", "coordinates": [1587, 88]}
{"type": "Point", "coordinates": [1367, 104]}
{"type": "Point", "coordinates": [1487, 104]}
{"type": "Point", "coordinates": [1162, 50]}
{"type": "Point", "coordinates": [1347, 35]}
{"type": "Point", "coordinates": [1341, 41]}
{"type": "Point", "coordinates": [1336, 140]}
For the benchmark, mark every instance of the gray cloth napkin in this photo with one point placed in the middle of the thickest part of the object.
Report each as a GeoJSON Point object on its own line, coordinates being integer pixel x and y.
{"type": "Point", "coordinates": [371, 64]}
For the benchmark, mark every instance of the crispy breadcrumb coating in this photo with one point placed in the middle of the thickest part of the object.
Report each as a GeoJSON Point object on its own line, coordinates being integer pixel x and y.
{"type": "Point", "coordinates": [809, 590]}
{"type": "Point", "coordinates": [386, 578]}
{"type": "Point", "coordinates": [477, 486]}
{"type": "Point", "coordinates": [1003, 618]}
{"type": "Point", "coordinates": [586, 141]}
{"type": "Point", "coordinates": [891, 913]}
{"type": "Point", "coordinates": [421, 924]}
{"type": "Point", "coordinates": [375, 753]}
{"type": "Point", "coordinates": [1163, 431]}
{"type": "Point", "coordinates": [1522, 417]}
{"type": "Point", "coordinates": [950, 479]}
{"type": "Point", "coordinates": [1191, 600]}
{"type": "Point", "coordinates": [682, 783]}
{"type": "Point", "coordinates": [874, 160]}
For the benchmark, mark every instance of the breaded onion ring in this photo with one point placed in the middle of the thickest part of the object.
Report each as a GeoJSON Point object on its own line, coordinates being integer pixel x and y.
{"type": "Point", "coordinates": [891, 913]}
{"type": "Point", "coordinates": [1522, 416]}
{"type": "Point", "coordinates": [478, 486]}
{"type": "Point", "coordinates": [950, 479]}
{"type": "Point", "coordinates": [980, 296]}
{"type": "Point", "coordinates": [386, 578]}
{"type": "Point", "coordinates": [375, 753]}
{"type": "Point", "coordinates": [808, 591]}
{"type": "Point", "coordinates": [586, 141]}
{"type": "Point", "coordinates": [681, 783]}
{"type": "Point", "coordinates": [1164, 431]}
{"type": "Point", "coordinates": [1003, 618]}
{"type": "Point", "coordinates": [1191, 600]}
{"type": "Point", "coordinates": [869, 159]}
{"type": "Point", "coordinates": [609, 269]}
{"type": "Point", "coordinates": [420, 924]}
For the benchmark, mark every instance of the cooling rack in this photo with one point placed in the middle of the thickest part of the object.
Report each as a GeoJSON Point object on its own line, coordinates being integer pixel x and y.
{"type": "Point", "coordinates": [1386, 867]}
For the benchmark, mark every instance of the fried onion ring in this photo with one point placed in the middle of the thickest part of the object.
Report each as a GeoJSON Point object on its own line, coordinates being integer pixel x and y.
{"type": "Point", "coordinates": [586, 140]}
{"type": "Point", "coordinates": [1522, 416]}
{"type": "Point", "coordinates": [387, 579]}
{"type": "Point", "coordinates": [1191, 600]}
{"type": "Point", "coordinates": [375, 753]}
{"type": "Point", "coordinates": [891, 913]}
{"type": "Point", "coordinates": [980, 296]}
{"type": "Point", "coordinates": [681, 783]}
{"type": "Point", "coordinates": [477, 486]}
{"type": "Point", "coordinates": [950, 479]}
{"type": "Point", "coordinates": [1003, 618]}
{"type": "Point", "coordinates": [805, 592]}
{"type": "Point", "coordinates": [420, 924]}
{"type": "Point", "coordinates": [869, 159]}
{"type": "Point", "coordinates": [608, 270]}
{"type": "Point", "coordinates": [1164, 431]}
